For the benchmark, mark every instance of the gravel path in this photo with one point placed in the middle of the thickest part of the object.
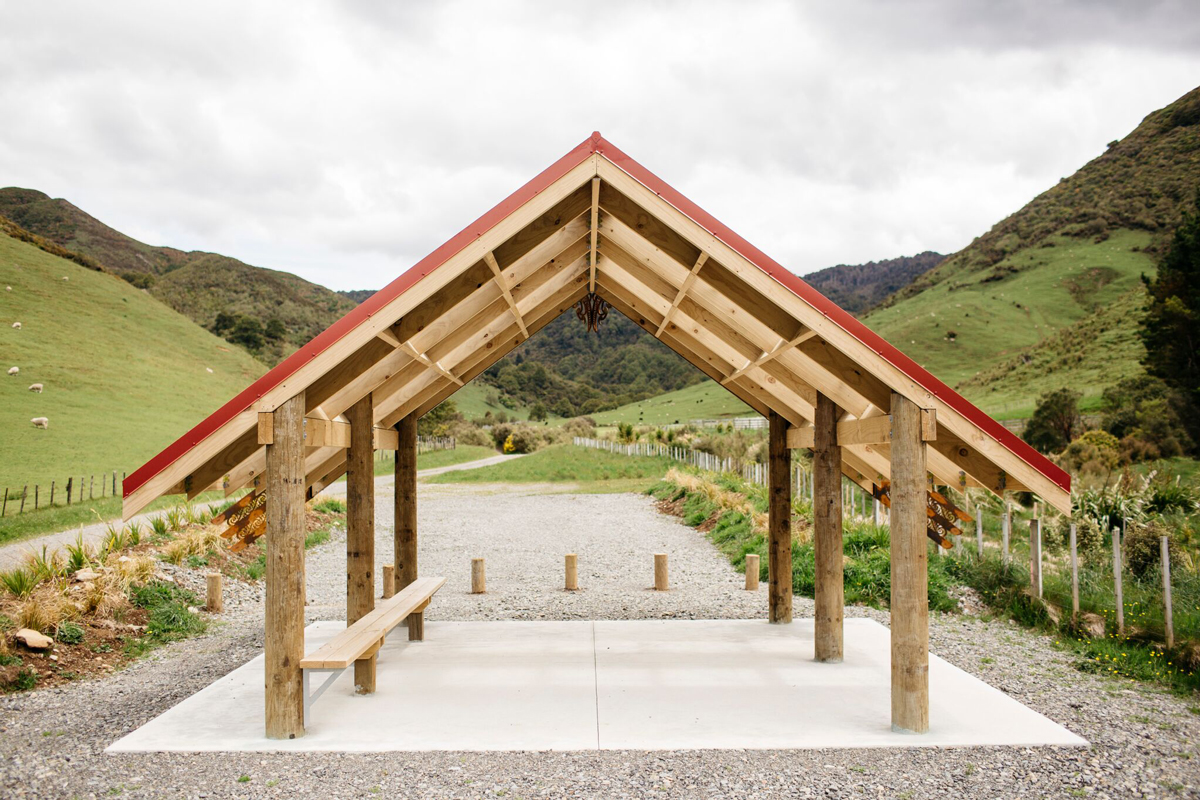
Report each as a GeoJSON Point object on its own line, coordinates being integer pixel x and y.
{"type": "Point", "coordinates": [1144, 742]}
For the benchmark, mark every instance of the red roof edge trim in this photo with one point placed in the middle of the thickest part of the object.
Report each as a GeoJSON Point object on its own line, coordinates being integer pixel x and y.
{"type": "Point", "coordinates": [356, 316]}
{"type": "Point", "coordinates": [838, 316]}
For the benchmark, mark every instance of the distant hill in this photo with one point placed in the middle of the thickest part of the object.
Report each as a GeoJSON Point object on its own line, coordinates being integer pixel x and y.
{"type": "Point", "coordinates": [357, 296]}
{"type": "Point", "coordinates": [197, 284]}
{"type": "Point", "coordinates": [861, 287]}
{"type": "Point", "coordinates": [122, 373]}
{"type": "Point", "coordinates": [1024, 298]}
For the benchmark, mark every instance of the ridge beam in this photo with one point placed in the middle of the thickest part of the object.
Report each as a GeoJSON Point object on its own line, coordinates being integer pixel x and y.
{"type": "Point", "coordinates": [595, 230]}
{"type": "Point", "coordinates": [433, 365]}
{"type": "Point", "coordinates": [498, 276]}
{"type": "Point", "coordinates": [871, 430]}
{"type": "Point", "coordinates": [683, 290]}
{"type": "Point", "coordinates": [772, 353]}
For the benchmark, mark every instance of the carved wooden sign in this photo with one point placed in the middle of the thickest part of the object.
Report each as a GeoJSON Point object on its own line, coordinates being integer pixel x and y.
{"type": "Point", "coordinates": [942, 515]}
{"type": "Point", "coordinates": [246, 519]}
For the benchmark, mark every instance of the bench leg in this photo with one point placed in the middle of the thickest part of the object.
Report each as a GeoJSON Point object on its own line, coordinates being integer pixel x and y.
{"type": "Point", "coordinates": [364, 675]}
{"type": "Point", "coordinates": [416, 626]}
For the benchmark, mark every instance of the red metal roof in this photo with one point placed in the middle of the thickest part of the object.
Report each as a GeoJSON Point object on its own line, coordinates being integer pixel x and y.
{"type": "Point", "coordinates": [594, 144]}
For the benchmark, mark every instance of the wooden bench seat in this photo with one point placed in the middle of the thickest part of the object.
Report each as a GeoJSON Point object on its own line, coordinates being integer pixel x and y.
{"type": "Point", "coordinates": [364, 638]}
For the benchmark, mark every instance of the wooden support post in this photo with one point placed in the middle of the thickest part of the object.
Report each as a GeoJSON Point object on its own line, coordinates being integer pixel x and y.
{"type": "Point", "coordinates": [1116, 548]}
{"type": "Point", "coordinates": [1035, 556]}
{"type": "Point", "coordinates": [1168, 616]}
{"type": "Point", "coordinates": [875, 517]}
{"type": "Point", "coordinates": [779, 522]}
{"type": "Point", "coordinates": [572, 568]}
{"type": "Point", "coordinates": [360, 529]}
{"type": "Point", "coordinates": [661, 583]}
{"type": "Point", "coordinates": [214, 601]}
{"type": "Point", "coordinates": [910, 571]}
{"type": "Point", "coordinates": [753, 568]}
{"type": "Point", "coordinates": [284, 641]}
{"type": "Point", "coordinates": [389, 580]}
{"type": "Point", "coordinates": [827, 533]}
{"type": "Point", "coordinates": [478, 576]}
{"type": "Point", "coordinates": [1074, 575]}
{"type": "Point", "coordinates": [405, 545]}
{"type": "Point", "coordinates": [1005, 528]}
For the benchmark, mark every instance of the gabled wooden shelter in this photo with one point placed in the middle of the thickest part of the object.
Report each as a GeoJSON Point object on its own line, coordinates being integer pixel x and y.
{"type": "Point", "coordinates": [596, 224]}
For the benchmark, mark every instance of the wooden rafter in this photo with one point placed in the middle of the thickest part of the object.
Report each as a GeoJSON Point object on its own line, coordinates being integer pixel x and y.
{"type": "Point", "coordinates": [683, 290]}
{"type": "Point", "coordinates": [595, 230]}
{"type": "Point", "coordinates": [772, 353]}
{"type": "Point", "coordinates": [434, 365]}
{"type": "Point", "coordinates": [498, 276]}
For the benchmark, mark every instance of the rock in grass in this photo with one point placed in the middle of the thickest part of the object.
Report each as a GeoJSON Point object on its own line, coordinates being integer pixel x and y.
{"type": "Point", "coordinates": [85, 575]}
{"type": "Point", "coordinates": [34, 640]}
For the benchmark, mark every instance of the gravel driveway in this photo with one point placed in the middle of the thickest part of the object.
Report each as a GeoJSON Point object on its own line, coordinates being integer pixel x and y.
{"type": "Point", "coordinates": [52, 741]}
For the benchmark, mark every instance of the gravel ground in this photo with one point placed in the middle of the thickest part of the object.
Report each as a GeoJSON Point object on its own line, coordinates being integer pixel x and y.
{"type": "Point", "coordinates": [52, 741]}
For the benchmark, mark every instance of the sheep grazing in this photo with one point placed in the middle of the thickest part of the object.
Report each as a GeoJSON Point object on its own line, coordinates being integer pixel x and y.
{"type": "Point", "coordinates": [65, 277]}
{"type": "Point", "coordinates": [35, 387]}
{"type": "Point", "coordinates": [209, 369]}
{"type": "Point", "coordinates": [17, 325]}
{"type": "Point", "coordinates": [14, 370]}
{"type": "Point", "coordinates": [41, 422]}
{"type": "Point", "coordinates": [8, 288]}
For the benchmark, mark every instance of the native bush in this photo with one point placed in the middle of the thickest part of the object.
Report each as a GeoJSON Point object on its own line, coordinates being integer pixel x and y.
{"type": "Point", "coordinates": [1142, 548]}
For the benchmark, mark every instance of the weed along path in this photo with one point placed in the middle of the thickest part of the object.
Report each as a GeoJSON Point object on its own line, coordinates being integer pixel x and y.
{"type": "Point", "coordinates": [54, 741]}
{"type": "Point", "coordinates": [14, 554]}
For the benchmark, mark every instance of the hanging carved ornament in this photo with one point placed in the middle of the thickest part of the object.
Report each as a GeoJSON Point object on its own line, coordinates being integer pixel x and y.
{"type": "Point", "coordinates": [592, 310]}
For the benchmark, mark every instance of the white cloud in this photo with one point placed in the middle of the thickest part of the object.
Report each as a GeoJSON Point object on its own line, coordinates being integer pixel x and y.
{"type": "Point", "coordinates": [345, 141]}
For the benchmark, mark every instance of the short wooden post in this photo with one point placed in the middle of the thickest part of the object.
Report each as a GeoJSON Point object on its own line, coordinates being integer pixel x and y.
{"type": "Point", "coordinates": [1164, 550]}
{"type": "Point", "coordinates": [405, 541]}
{"type": "Point", "coordinates": [35, 497]}
{"type": "Point", "coordinates": [4, 508]}
{"type": "Point", "coordinates": [910, 571]}
{"type": "Point", "coordinates": [827, 533]}
{"type": "Point", "coordinates": [478, 576]}
{"type": "Point", "coordinates": [51, 493]}
{"type": "Point", "coordinates": [572, 569]}
{"type": "Point", "coordinates": [779, 522]}
{"type": "Point", "coordinates": [753, 568]}
{"type": "Point", "coordinates": [284, 615]}
{"type": "Point", "coordinates": [91, 486]}
{"type": "Point", "coordinates": [24, 492]}
{"type": "Point", "coordinates": [360, 529]}
{"type": "Point", "coordinates": [114, 483]}
{"type": "Point", "coordinates": [1116, 548]}
{"type": "Point", "coordinates": [214, 602]}
{"type": "Point", "coordinates": [389, 580]}
{"type": "Point", "coordinates": [661, 584]}
{"type": "Point", "coordinates": [1074, 574]}
{"type": "Point", "coordinates": [70, 483]}
{"type": "Point", "coordinates": [979, 532]}
{"type": "Point", "coordinates": [1035, 556]}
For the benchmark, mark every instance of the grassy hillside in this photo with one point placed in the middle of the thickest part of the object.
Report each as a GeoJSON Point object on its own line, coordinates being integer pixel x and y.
{"type": "Point", "coordinates": [706, 400]}
{"type": "Point", "coordinates": [198, 285]}
{"type": "Point", "coordinates": [860, 287]}
{"type": "Point", "coordinates": [997, 317]}
{"type": "Point", "coordinates": [123, 374]}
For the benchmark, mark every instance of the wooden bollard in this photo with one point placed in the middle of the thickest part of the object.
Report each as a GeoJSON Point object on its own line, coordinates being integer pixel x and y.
{"type": "Point", "coordinates": [660, 572]}
{"type": "Point", "coordinates": [1116, 548]}
{"type": "Point", "coordinates": [1074, 574]}
{"type": "Point", "coordinates": [214, 602]}
{"type": "Point", "coordinates": [389, 580]}
{"type": "Point", "coordinates": [572, 567]}
{"type": "Point", "coordinates": [478, 577]}
{"type": "Point", "coordinates": [752, 569]}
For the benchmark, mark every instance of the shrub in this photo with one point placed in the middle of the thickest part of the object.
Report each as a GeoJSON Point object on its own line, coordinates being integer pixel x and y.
{"type": "Point", "coordinates": [1089, 539]}
{"type": "Point", "coordinates": [330, 506]}
{"type": "Point", "coordinates": [581, 426]}
{"type": "Point", "coordinates": [25, 680]}
{"type": "Point", "coordinates": [19, 582]}
{"type": "Point", "coordinates": [474, 437]}
{"type": "Point", "coordinates": [1054, 421]}
{"type": "Point", "coordinates": [69, 633]}
{"type": "Point", "coordinates": [1141, 546]}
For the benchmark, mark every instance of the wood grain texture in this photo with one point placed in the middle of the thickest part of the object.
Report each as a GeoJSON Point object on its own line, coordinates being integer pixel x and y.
{"type": "Point", "coordinates": [827, 532]}
{"type": "Point", "coordinates": [779, 521]}
{"type": "Point", "coordinates": [910, 572]}
{"type": "Point", "coordinates": [360, 530]}
{"type": "Point", "coordinates": [284, 615]}
{"type": "Point", "coordinates": [406, 502]}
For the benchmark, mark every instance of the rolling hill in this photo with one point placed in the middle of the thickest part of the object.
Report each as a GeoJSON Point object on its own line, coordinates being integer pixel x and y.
{"type": "Point", "coordinates": [123, 373]}
{"type": "Point", "coordinates": [861, 287]}
{"type": "Point", "coordinates": [1049, 297]}
{"type": "Point", "coordinates": [197, 284]}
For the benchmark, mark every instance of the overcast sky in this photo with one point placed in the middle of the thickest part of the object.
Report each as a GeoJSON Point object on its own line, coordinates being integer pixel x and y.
{"type": "Point", "coordinates": [344, 141]}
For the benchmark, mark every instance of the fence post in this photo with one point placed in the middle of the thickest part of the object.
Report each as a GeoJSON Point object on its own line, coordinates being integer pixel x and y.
{"type": "Point", "coordinates": [35, 496]}
{"type": "Point", "coordinates": [1116, 548]}
{"type": "Point", "coordinates": [1168, 622]}
{"type": "Point", "coordinates": [70, 481]}
{"type": "Point", "coordinates": [114, 489]}
{"type": "Point", "coordinates": [24, 492]}
{"type": "Point", "coordinates": [979, 531]}
{"type": "Point", "coordinates": [4, 508]}
{"type": "Point", "coordinates": [91, 486]}
{"type": "Point", "coordinates": [1035, 555]}
{"type": "Point", "coordinates": [1006, 527]}
{"type": "Point", "coordinates": [1074, 575]}
{"type": "Point", "coordinates": [51, 494]}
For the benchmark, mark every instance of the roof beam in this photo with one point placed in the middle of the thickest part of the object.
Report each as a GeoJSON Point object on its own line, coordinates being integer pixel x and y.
{"type": "Point", "coordinates": [595, 228]}
{"type": "Point", "coordinates": [683, 290]}
{"type": "Point", "coordinates": [498, 277]}
{"type": "Point", "coordinates": [772, 353]}
{"type": "Point", "coordinates": [431, 364]}
{"type": "Point", "coordinates": [871, 430]}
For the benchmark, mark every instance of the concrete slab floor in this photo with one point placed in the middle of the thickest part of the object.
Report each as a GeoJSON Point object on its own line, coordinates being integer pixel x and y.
{"type": "Point", "coordinates": [645, 685]}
